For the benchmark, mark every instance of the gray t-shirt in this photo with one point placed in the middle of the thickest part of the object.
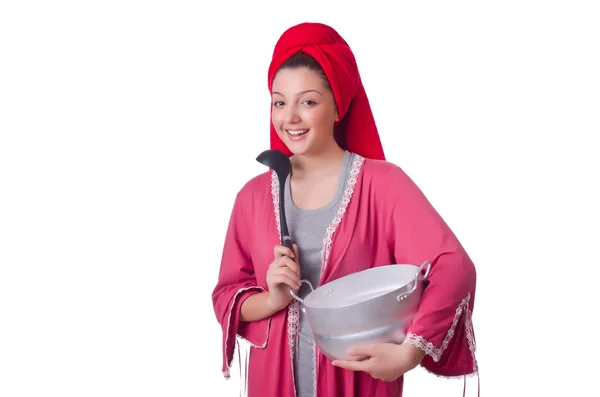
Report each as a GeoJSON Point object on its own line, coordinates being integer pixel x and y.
{"type": "Point", "coordinates": [307, 229]}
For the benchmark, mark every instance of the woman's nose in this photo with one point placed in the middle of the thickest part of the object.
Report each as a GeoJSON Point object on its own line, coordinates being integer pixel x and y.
{"type": "Point", "coordinates": [292, 115]}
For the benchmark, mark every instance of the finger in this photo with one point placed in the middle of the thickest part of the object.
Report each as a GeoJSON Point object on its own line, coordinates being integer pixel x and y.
{"type": "Point", "coordinates": [286, 271]}
{"type": "Point", "coordinates": [279, 279]}
{"type": "Point", "coordinates": [280, 251]}
{"type": "Point", "coordinates": [288, 262]}
{"type": "Point", "coordinates": [364, 350]}
{"type": "Point", "coordinates": [352, 365]}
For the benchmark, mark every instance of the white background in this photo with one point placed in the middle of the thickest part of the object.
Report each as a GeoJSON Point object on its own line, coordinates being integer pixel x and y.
{"type": "Point", "coordinates": [126, 128]}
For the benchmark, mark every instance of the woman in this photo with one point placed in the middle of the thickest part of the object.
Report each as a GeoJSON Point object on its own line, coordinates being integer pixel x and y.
{"type": "Point", "coordinates": [347, 209]}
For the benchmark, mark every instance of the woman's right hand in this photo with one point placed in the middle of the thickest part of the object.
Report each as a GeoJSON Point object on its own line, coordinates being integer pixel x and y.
{"type": "Point", "coordinates": [283, 274]}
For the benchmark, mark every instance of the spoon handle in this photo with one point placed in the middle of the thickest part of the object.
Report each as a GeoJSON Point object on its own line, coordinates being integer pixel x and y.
{"type": "Point", "coordinates": [287, 242]}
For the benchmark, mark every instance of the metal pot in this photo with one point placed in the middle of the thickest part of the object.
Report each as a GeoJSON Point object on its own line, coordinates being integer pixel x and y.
{"type": "Point", "coordinates": [376, 305]}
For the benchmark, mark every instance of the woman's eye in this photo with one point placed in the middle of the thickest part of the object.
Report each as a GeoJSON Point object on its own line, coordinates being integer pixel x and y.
{"type": "Point", "coordinates": [278, 103]}
{"type": "Point", "coordinates": [309, 102]}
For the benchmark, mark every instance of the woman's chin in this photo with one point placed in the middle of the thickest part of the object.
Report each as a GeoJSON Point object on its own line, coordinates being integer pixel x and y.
{"type": "Point", "coordinates": [297, 147]}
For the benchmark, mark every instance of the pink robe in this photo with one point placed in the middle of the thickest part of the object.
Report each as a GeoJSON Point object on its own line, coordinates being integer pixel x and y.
{"type": "Point", "coordinates": [384, 219]}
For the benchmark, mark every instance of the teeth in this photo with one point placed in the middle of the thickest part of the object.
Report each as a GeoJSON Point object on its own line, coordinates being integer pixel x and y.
{"type": "Point", "coordinates": [298, 132]}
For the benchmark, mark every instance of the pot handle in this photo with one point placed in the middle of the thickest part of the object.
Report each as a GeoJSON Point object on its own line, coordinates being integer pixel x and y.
{"type": "Point", "coordinates": [296, 296]}
{"type": "Point", "coordinates": [418, 277]}
{"type": "Point", "coordinates": [426, 263]}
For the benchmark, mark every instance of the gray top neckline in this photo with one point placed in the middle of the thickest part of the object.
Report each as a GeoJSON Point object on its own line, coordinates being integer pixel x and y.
{"type": "Point", "coordinates": [336, 198]}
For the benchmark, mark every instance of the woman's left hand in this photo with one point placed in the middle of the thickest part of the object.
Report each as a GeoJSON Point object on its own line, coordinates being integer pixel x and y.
{"type": "Point", "coordinates": [386, 361]}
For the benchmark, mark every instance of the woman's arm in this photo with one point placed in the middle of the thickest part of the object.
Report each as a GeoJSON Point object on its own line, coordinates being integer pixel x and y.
{"type": "Point", "coordinates": [440, 337]}
{"type": "Point", "coordinates": [442, 327]}
{"type": "Point", "coordinates": [258, 307]}
{"type": "Point", "coordinates": [235, 285]}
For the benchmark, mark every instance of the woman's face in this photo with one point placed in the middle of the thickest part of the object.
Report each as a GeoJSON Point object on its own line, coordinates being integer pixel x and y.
{"type": "Point", "coordinates": [303, 111]}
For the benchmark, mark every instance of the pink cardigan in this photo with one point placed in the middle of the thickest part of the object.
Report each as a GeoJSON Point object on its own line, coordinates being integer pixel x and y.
{"type": "Point", "coordinates": [384, 219]}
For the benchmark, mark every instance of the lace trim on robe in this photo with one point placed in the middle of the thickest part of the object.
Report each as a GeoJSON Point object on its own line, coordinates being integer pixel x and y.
{"type": "Point", "coordinates": [436, 352]}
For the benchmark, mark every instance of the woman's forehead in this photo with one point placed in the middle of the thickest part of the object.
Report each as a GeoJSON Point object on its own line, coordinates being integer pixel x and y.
{"type": "Point", "coordinates": [297, 80]}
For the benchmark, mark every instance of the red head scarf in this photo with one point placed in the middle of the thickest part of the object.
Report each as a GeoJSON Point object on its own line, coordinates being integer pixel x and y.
{"type": "Point", "coordinates": [356, 130]}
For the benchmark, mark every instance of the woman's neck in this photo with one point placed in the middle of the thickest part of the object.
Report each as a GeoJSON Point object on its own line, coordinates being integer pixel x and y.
{"type": "Point", "coordinates": [318, 164]}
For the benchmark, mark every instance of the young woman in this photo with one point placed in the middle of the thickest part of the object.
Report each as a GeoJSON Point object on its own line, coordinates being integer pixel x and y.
{"type": "Point", "coordinates": [347, 209]}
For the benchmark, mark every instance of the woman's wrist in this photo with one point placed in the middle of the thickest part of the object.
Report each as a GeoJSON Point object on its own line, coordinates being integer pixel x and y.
{"type": "Point", "coordinates": [257, 307]}
{"type": "Point", "coordinates": [416, 353]}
